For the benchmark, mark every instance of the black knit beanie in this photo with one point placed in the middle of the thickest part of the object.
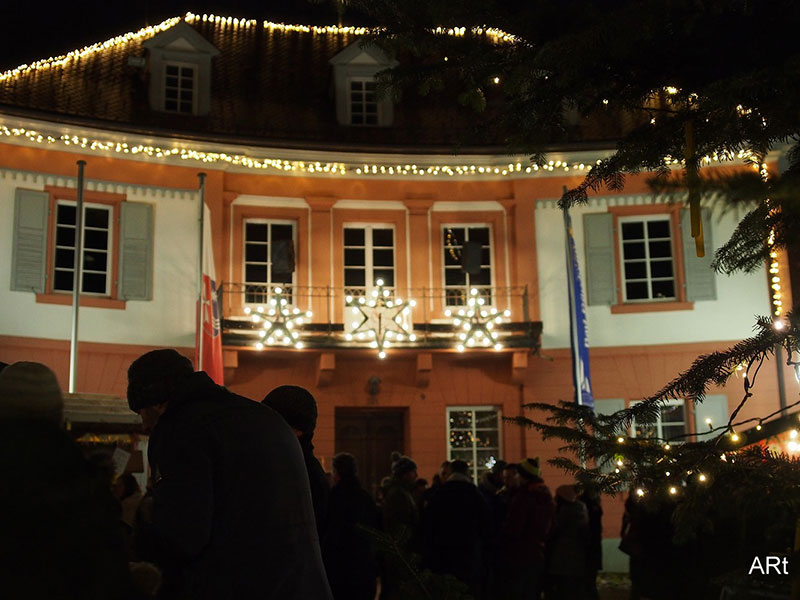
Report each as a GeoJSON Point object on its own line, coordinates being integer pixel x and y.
{"type": "Point", "coordinates": [153, 376]}
{"type": "Point", "coordinates": [296, 405]}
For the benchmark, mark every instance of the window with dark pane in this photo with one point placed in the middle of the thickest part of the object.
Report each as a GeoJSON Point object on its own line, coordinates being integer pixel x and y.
{"type": "Point", "coordinates": [647, 258]}
{"type": "Point", "coordinates": [670, 424]}
{"type": "Point", "coordinates": [457, 281]}
{"type": "Point", "coordinates": [96, 245]}
{"type": "Point", "coordinates": [260, 278]}
{"type": "Point", "coordinates": [363, 103]}
{"type": "Point", "coordinates": [473, 435]}
{"type": "Point", "coordinates": [179, 92]}
{"type": "Point", "coordinates": [368, 257]}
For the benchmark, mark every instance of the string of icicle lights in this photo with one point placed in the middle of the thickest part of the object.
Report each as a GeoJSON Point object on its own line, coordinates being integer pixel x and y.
{"type": "Point", "coordinates": [498, 35]}
{"type": "Point", "coordinates": [310, 166]}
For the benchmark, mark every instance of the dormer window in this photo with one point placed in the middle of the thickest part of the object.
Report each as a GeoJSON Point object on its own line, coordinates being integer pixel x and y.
{"type": "Point", "coordinates": [180, 71]}
{"type": "Point", "coordinates": [363, 102]}
{"type": "Point", "coordinates": [179, 88]}
{"type": "Point", "coordinates": [357, 102]}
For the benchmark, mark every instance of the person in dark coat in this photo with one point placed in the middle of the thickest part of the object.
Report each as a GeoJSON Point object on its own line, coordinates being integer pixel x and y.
{"type": "Point", "coordinates": [594, 557]}
{"type": "Point", "coordinates": [61, 535]}
{"type": "Point", "coordinates": [568, 546]}
{"type": "Point", "coordinates": [457, 530]}
{"type": "Point", "coordinates": [346, 549]}
{"type": "Point", "coordinates": [299, 408]}
{"type": "Point", "coordinates": [232, 511]}
{"type": "Point", "coordinates": [523, 535]}
{"type": "Point", "coordinates": [401, 521]}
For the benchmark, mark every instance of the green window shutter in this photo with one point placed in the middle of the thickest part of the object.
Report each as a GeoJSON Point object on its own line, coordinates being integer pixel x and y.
{"type": "Point", "coordinates": [714, 407]}
{"type": "Point", "coordinates": [606, 407]}
{"type": "Point", "coordinates": [29, 252]}
{"type": "Point", "coordinates": [701, 281]}
{"type": "Point", "coordinates": [136, 251]}
{"type": "Point", "coordinates": [598, 234]}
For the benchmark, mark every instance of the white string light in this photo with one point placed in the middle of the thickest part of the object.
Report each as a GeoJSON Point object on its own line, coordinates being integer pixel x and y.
{"type": "Point", "coordinates": [380, 320]}
{"type": "Point", "coordinates": [477, 323]}
{"type": "Point", "coordinates": [278, 322]}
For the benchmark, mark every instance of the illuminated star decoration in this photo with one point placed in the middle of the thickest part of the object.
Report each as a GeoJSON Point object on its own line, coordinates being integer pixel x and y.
{"type": "Point", "coordinates": [278, 322]}
{"type": "Point", "coordinates": [382, 320]}
{"type": "Point", "coordinates": [477, 323]}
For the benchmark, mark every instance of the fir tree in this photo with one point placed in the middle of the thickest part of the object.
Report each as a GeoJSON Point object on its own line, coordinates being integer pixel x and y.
{"type": "Point", "coordinates": [673, 86]}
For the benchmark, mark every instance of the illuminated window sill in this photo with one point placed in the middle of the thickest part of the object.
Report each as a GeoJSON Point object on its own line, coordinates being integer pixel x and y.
{"type": "Point", "coordinates": [85, 301]}
{"type": "Point", "coordinates": [620, 309]}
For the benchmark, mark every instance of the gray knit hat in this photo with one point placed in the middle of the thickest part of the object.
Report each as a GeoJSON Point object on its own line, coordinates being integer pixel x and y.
{"type": "Point", "coordinates": [30, 390]}
{"type": "Point", "coordinates": [403, 465]}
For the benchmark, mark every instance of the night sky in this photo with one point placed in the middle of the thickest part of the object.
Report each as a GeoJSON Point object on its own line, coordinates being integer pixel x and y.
{"type": "Point", "coordinates": [35, 30]}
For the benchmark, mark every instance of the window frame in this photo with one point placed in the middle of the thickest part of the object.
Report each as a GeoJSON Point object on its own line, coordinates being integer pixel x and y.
{"type": "Point", "coordinates": [467, 286]}
{"type": "Point", "coordinates": [659, 423]}
{"type": "Point", "coordinates": [51, 296]}
{"type": "Point", "coordinates": [349, 92]}
{"type": "Point", "coordinates": [498, 410]}
{"type": "Point", "coordinates": [634, 306]}
{"type": "Point", "coordinates": [270, 285]}
{"type": "Point", "coordinates": [369, 267]}
{"type": "Point", "coordinates": [195, 74]}
{"type": "Point", "coordinates": [109, 249]}
{"type": "Point", "coordinates": [645, 219]}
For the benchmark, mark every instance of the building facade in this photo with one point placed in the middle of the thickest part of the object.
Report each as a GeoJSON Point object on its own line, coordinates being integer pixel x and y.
{"type": "Point", "coordinates": [323, 200]}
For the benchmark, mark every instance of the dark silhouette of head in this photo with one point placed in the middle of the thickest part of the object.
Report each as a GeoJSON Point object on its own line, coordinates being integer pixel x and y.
{"type": "Point", "coordinates": [345, 467]}
{"type": "Point", "coordinates": [297, 406]}
{"type": "Point", "coordinates": [154, 377]}
{"type": "Point", "coordinates": [459, 466]}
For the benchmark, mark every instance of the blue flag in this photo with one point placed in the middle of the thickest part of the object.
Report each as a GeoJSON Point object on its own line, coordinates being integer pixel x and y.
{"type": "Point", "coordinates": [579, 342]}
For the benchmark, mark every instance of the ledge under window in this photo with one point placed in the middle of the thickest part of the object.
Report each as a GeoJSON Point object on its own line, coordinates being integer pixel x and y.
{"type": "Point", "coordinates": [85, 301]}
{"type": "Point", "coordinates": [618, 309]}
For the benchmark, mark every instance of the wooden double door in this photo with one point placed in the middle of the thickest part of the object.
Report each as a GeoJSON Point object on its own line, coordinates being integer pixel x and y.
{"type": "Point", "coordinates": [371, 435]}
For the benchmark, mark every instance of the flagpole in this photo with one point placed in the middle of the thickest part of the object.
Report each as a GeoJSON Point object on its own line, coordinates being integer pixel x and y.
{"type": "Point", "coordinates": [573, 314]}
{"type": "Point", "coordinates": [76, 282]}
{"type": "Point", "coordinates": [202, 178]}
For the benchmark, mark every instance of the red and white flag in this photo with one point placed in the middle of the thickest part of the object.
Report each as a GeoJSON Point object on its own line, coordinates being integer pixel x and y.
{"type": "Point", "coordinates": [211, 359]}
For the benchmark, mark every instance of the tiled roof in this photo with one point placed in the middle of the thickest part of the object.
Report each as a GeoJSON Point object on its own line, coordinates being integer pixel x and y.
{"type": "Point", "coordinates": [269, 86]}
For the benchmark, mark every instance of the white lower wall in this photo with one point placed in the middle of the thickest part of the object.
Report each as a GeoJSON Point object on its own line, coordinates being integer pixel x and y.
{"type": "Point", "coordinates": [729, 317]}
{"type": "Point", "coordinates": [167, 320]}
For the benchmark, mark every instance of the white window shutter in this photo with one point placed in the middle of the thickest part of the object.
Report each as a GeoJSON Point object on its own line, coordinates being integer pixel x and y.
{"type": "Point", "coordinates": [29, 252]}
{"type": "Point", "coordinates": [598, 235]}
{"type": "Point", "coordinates": [701, 281]}
{"type": "Point", "coordinates": [714, 407]}
{"type": "Point", "coordinates": [136, 251]}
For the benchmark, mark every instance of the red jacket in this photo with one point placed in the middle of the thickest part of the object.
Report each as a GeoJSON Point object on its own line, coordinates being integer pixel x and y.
{"type": "Point", "coordinates": [527, 524]}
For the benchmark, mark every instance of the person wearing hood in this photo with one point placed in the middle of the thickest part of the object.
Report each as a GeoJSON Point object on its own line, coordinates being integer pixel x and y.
{"type": "Point", "coordinates": [299, 409]}
{"type": "Point", "coordinates": [232, 515]}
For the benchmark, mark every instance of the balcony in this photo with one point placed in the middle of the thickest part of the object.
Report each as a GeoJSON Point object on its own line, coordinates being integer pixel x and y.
{"type": "Point", "coordinates": [287, 316]}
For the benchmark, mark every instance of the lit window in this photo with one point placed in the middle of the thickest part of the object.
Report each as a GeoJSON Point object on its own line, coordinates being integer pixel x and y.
{"type": "Point", "coordinates": [648, 269]}
{"type": "Point", "coordinates": [467, 263]}
{"type": "Point", "coordinates": [95, 248]}
{"type": "Point", "coordinates": [670, 423]}
{"type": "Point", "coordinates": [473, 435]}
{"type": "Point", "coordinates": [179, 88]}
{"type": "Point", "coordinates": [363, 102]}
{"type": "Point", "coordinates": [267, 247]}
{"type": "Point", "coordinates": [368, 257]}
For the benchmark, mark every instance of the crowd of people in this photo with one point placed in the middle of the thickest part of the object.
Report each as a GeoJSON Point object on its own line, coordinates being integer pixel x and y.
{"type": "Point", "coordinates": [238, 506]}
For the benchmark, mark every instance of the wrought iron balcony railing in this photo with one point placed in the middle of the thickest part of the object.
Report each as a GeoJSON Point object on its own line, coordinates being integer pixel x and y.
{"type": "Point", "coordinates": [284, 315]}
